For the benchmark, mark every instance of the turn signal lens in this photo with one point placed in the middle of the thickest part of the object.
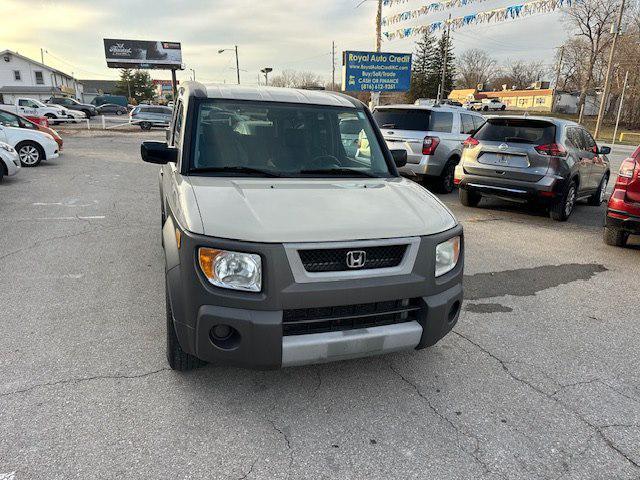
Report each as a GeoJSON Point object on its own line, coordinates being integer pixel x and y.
{"type": "Point", "coordinates": [552, 149]}
{"type": "Point", "coordinates": [627, 168]}
{"type": "Point", "coordinates": [470, 143]}
{"type": "Point", "coordinates": [447, 256]}
{"type": "Point", "coordinates": [232, 270]}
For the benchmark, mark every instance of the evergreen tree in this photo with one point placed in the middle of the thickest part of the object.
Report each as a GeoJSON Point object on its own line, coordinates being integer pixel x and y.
{"type": "Point", "coordinates": [444, 48]}
{"type": "Point", "coordinates": [421, 67]}
{"type": "Point", "coordinates": [135, 85]}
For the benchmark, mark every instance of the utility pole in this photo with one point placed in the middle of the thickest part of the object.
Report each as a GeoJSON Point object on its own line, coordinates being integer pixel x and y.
{"type": "Point", "coordinates": [237, 64]}
{"type": "Point", "coordinates": [333, 65]}
{"type": "Point", "coordinates": [42, 50]}
{"type": "Point", "coordinates": [624, 90]}
{"type": "Point", "coordinates": [193, 74]}
{"type": "Point", "coordinates": [444, 61]}
{"type": "Point", "coordinates": [375, 96]}
{"type": "Point", "coordinates": [558, 72]}
{"type": "Point", "coordinates": [607, 81]}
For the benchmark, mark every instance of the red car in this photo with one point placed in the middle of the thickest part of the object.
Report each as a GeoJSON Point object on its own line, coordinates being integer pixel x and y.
{"type": "Point", "coordinates": [42, 121]}
{"type": "Point", "coordinates": [623, 211]}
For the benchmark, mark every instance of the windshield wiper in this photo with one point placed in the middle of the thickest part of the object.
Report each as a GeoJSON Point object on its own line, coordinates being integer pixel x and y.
{"type": "Point", "coordinates": [339, 171]}
{"type": "Point", "coordinates": [237, 169]}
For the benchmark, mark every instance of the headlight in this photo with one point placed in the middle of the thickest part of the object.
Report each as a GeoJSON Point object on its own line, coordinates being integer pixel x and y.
{"type": "Point", "coordinates": [234, 270]}
{"type": "Point", "coordinates": [7, 147]}
{"type": "Point", "coordinates": [447, 255]}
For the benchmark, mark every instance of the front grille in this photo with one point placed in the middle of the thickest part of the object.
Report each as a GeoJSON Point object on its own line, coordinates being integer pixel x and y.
{"type": "Point", "coordinates": [335, 259]}
{"type": "Point", "coordinates": [349, 317]}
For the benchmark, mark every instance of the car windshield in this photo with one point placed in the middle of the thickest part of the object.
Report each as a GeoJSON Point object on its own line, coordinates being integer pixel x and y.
{"type": "Point", "coordinates": [276, 139]}
{"type": "Point", "coordinates": [517, 130]}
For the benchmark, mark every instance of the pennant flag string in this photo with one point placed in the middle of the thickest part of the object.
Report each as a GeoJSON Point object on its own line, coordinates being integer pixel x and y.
{"type": "Point", "coordinates": [497, 15]}
{"type": "Point", "coordinates": [424, 10]}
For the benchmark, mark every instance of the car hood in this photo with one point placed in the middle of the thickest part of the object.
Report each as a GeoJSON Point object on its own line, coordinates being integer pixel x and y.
{"type": "Point", "coordinates": [316, 210]}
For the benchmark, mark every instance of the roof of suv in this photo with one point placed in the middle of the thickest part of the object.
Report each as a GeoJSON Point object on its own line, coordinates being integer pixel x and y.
{"type": "Point", "coordinates": [559, 122]}
{"type": "Point", "coordinates": [270, 94]}
{"type": "Point", "coordinates": [443, 107]}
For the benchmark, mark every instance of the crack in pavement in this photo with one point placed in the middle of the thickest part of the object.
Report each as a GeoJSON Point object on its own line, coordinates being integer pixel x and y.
{"type": "Point", "coordinates": [83, 379]}
{"type": "Point", "coordinates": [551, 397]}
{"type": "Point", "coordinates": [287, 441]}
{"type": "Point", "coordinates": [248, 472]}
{"type": "Point", "coordinates": [475, 454]}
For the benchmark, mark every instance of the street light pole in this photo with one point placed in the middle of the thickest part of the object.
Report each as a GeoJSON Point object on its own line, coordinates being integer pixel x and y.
{"type": "Point", "coordinates": [193, 73]}
{"type": "Point", "coordinates": [624, 90]}
{"type": "Point", "coordinates": [607, 81]}
{"type": "Point", "coordinates": [266, 71]}
{"type": "Point", "coordinates": [237, 61]}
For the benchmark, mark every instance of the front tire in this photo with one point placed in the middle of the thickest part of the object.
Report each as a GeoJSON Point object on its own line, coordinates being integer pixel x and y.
{"type": "Point", "coordinates": [469, 199]}
{"type": "Point", "coordinates": [563, 208]}
{"type": "Point", "coordinates": [30, 153]}
{"type": "Point", "coordinates": [178, 359]}
{"type": "Point", "coordinates": [597, 198]}
{"type": "Point", "coordinates": [145, 126]}
{"type": "Point", "coordinates": [615, 237]}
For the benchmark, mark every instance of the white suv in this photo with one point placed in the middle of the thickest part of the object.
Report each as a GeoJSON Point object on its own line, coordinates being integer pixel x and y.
{"type": "Point", "coordinates": [432, 137]}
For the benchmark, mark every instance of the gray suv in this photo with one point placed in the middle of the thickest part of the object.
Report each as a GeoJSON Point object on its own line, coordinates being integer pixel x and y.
{"type": "Point", "coordinates": [540, 159]}
{"type": "Point", "coordinates": [432, 137]}
{"type": "Point", "coordinates": [148, 116]}
{"type": "Point", "coordinates": [282, 247]}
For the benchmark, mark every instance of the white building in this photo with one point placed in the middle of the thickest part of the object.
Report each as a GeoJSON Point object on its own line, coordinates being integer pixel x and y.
{"type": "Point", "coordinates": [23, 77]}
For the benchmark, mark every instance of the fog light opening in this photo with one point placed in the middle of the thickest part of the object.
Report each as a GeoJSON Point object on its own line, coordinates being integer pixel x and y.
{"type": "Point", "coordinates": [224, 337]}
{"type": "Point", "coordinates": [453, 311]}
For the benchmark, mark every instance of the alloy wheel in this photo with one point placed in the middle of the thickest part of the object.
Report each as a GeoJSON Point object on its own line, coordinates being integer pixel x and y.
{"type": "Point", "coordinates": [29, 155]}
{"type": "Point", "coordinates": [603, 190]}
{"type": "Point", "coordinates": [571, 201]}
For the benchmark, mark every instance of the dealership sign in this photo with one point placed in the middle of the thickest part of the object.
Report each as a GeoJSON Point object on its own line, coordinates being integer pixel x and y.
{"type": "Point", "coordinates": [376, 72]}
{"type": "Point", "coordinates": [142, 54]}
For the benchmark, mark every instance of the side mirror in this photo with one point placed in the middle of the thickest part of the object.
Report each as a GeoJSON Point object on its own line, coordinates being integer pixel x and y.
{"type": "Point", "coordinates": [399, 157]}
{"type": "Point", "coordinates": [158, 152]}
{"type": "Point", "coordinates": [605, 150]}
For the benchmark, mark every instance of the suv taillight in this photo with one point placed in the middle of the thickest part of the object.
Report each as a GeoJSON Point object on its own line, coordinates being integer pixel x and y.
{"type": "Point", "coordinates": [429, 145]}
{"type": "Point", "coordinates": [470, 143]}
{"type": "Point", "coordinates": [627, 168]}
{"type": "Point", "coordinates": [552, 149]}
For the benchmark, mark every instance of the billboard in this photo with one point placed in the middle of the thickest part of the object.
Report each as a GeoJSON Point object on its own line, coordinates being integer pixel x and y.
{"type": "Point", "coordinates": [142, 54]}
{"type": "Point", "coordinates": [376, 72]}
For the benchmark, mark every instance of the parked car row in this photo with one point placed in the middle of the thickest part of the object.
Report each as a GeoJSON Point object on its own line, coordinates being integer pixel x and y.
{"type": "Point", "coordinates": [34, 109]}
{"type": "Point", "coordinates": [526, 159]}
{"type": "Point", "coordinates": [485, 105]}
{"type": "Point", "coordinates": [24, 143]}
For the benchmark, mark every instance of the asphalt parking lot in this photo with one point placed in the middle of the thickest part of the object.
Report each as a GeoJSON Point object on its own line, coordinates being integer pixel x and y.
{"type": "Point", "coordinates": [540, 379]}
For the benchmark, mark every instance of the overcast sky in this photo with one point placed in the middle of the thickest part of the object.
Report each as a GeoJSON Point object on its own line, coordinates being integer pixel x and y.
{"type": "Point", "coordinates": [283, 34]}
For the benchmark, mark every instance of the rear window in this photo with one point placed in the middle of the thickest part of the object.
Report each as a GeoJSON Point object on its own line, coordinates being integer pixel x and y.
{"type": "Point", "coordinates": [520, 130]}
{"type": "Point", "coordinates": [414, 119]}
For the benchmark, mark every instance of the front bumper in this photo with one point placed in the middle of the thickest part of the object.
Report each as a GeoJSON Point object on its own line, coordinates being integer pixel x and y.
{"type": "Point", "coordinates": [258, 317]}
{"type": "Point", "coordinates": [11, 162]}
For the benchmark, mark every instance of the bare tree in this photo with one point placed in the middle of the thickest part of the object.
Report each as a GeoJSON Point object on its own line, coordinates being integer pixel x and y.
{"type": "Point", "coordinates": [591, 20]}
{"type": "Point", "coordinates": [474, 67]}
{"type": "Point", "coordinates": [520, 74]}
{"type": "Point", "coordinates": [295, 79]}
